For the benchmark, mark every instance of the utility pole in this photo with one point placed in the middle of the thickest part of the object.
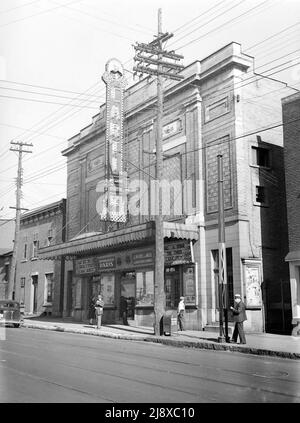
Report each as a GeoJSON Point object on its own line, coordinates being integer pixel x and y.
{"type": "Point", "coordinates": [223, 306]}
{"type": "Point", "coordinates": [154, 54]}
{"type": "Point", "coordinates": [19, 182]}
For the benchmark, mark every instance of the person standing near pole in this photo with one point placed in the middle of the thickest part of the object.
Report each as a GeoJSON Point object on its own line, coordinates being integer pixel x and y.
{"type": "Point", "coordinates": [91, 313]}
{"type": "Point", "coordinates": [180, 313]}
{"type": "Point", "coordinates": [239, 316]}
{"type": "Point", "coordinates": [99, 310]}
{"type": "Point", "coordinates": [123, 310]}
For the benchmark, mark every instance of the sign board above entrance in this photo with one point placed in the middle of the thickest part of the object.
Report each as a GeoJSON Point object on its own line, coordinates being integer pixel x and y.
{"type": "Point", "coordinates": [85, 266]}
{"type": "Point", "coordinates": [94, 265]}
{"type": "Point", "coordinates": [178, 253]}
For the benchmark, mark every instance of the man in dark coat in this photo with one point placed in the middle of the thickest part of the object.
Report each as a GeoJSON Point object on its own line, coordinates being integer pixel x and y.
{"type": "Point", "coordinates": [123, 310]}
{"type": "Point", "coordinates": [92, 314]}
{"type": "Point", "coordinates": [239, 316]}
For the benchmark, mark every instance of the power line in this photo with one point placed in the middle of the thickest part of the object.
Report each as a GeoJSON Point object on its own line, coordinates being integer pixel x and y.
{"type": "Point", "coordinates": [37, 14]}
{"type": "Point", "coordinates": [58, 110]}
{"type": "Point", "coordinates": [209, 21]}
{"type": "Point", "coordinates": [47, 88]}
{"type": "Point", "coordinates": [272, 36]}
{"type": "Point", "coordinates": [222, 89]}
{"type": "Point", "coordinates": [35, 132]}
{"type": "Point", "coordinates": [101, 29]}
{"type": "Point", "coordinates": [18, 7]}
{"type": "Point", "coordinates": [141, 112]}
{"type": "Point", "coordinates": [222, 25]}
{"type": "Point", "coordinates": [101, 19]}
{"type": "Point", "coordinates": [197, 17]}
{"type": "Point", "coordinates": [56, 122]}
{"type": "Point", "coordinates": [225, 139]}
{"type": "Point", "coordinates": [45, 102]}
{"type": "Point", "coordinates": [43, 94]}
{"type": "Point", "coordinates": [256, 76]}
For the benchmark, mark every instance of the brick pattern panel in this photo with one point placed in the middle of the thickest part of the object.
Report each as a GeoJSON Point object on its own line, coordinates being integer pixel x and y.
{"type": "Point", "coordinates": [212, 150]}
{"type": "Point", "coordinates": [291, 112]}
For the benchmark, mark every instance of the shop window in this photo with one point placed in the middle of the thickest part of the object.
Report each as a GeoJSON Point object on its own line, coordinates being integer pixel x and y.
{"type": "Point", "coordinates": [145, 288]}
{"type": "Point", "coordinates": [49, 287]}
{"type": "Point", "coordinates": [172, 286]}
{"type": "Point", "coordinates": [108, 288]}
{"type": "Point", "coordinates": [189, 288]}
{"type": "Point", "coordinates": [229, 273]}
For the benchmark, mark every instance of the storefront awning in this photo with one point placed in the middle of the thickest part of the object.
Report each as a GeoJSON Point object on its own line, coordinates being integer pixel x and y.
{"type": "Point", "coordinates": [89, 243]}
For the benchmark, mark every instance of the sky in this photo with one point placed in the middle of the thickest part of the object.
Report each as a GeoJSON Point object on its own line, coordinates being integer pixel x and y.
{"type": "Point", "coordinates": [53, 54]}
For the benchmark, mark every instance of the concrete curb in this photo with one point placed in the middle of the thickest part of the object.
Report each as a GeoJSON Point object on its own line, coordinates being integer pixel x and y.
{"type": "Point", "coordinates": [206, 345]}
{"type": "Point", "coordinates": [201, 344]}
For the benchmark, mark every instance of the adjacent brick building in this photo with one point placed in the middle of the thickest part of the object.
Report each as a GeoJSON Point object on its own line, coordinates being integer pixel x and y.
{"type": "Point", "coordinates": [220, 107]}
{"type": "Point", "coordinates": [291, 130]}
{"type": "Point", "coordinates": [7, 228]}
{"type": "Point", "coordinates": [40, 283]}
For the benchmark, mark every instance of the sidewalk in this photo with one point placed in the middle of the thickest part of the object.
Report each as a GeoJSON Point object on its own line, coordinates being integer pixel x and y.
{"type": "Point", "coordinates": [259, 343]}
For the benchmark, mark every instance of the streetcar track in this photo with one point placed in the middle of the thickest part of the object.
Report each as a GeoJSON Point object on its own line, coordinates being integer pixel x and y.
{"type": "Point", "coordinates": [173, 361]}
{"type": "Point", "coordinates": [20, 372]}
{"type": "Point", "coordinates": [208, 379]}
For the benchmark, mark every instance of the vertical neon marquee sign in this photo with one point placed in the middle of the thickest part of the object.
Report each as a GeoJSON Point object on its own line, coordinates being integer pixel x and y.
{"type": "Point", "coordinates": [114, 208]}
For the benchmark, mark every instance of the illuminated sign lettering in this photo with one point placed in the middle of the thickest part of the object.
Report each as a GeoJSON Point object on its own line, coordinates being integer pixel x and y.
{"type": "Point", "coordinates": [114, 208]}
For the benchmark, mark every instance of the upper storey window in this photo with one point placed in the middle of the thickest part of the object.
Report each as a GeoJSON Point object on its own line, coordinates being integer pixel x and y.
{"type": "Point", "coordinates": [260, 156]}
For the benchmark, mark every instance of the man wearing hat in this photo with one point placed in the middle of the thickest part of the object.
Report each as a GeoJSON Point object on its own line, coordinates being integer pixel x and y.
{"type": "Point", "coordinates": [239, 316]}
{"type": "Point", "coordinates": [180, 313]}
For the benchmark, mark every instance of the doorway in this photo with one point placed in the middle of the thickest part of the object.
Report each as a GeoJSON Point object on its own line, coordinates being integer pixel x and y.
{"type": "Point", "coordinates": [69, 293]}
{"type": "Point", "coordinates": [128, 287]}
{"type": "Point", "coordinates": [172, 286]}
{"type": "Point", "coordinates": [94, 287]}
{"type": "Point", "coordinates": [35, 287]}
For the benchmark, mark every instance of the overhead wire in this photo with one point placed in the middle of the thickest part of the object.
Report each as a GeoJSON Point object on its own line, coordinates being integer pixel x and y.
{"type": "Point", "coordinates": [220, 26]}
{"type": "Point", "coordinates": [120, 24]}
{"type": "Point", "coordinates": [208, 22]}
{"type": "Point", "coordinates": [37, 14]}
{"type": "Point", "coordinates": [51, 89]}
{"type": "Point", "coordinates": [46, 94]}
{"type": "Point", "coordinates": [18, 7]}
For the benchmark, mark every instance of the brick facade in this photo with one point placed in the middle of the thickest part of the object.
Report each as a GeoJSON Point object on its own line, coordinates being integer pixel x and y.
{"type": "Point", "coordinates": [291, 130]}
{"type": "Point", "coordinates": [43, 226]}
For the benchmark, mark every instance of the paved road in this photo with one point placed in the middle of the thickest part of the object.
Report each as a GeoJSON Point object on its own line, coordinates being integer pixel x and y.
{"type": "Point", "coordinates": [44, 366]}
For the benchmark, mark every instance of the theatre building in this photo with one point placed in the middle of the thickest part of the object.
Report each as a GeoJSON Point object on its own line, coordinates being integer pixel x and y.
{"type": "Point", "coordinates": [211, 111]}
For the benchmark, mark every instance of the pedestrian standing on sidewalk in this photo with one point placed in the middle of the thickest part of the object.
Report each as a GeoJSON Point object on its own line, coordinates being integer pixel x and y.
{"type": "Point", "coordinates": [123, 310]}
{"type": "Point", "coordinates": [92, 314]}
{"type": "Point", "coordinates": [180, 313]}
{"type": "Point", "coordinates": [239, 316]}
{"type": "Point", "coordinates": [99, 310]}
